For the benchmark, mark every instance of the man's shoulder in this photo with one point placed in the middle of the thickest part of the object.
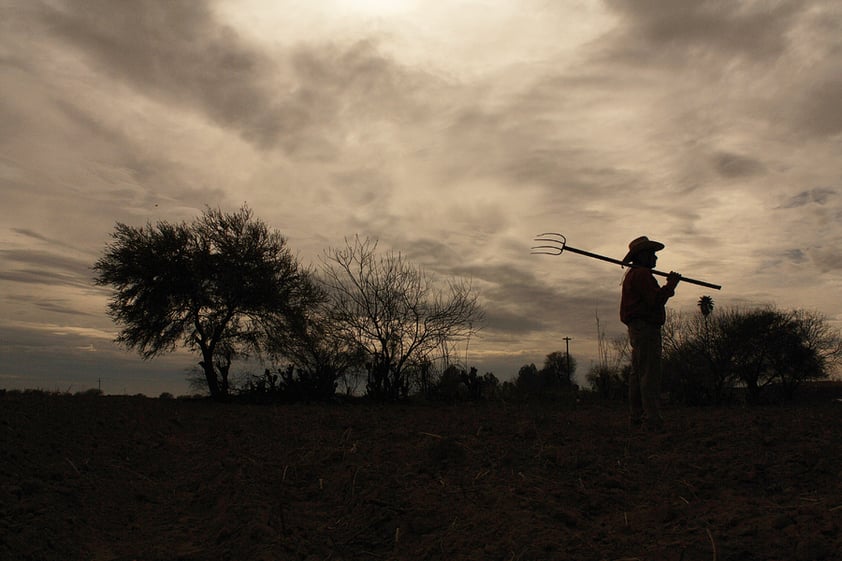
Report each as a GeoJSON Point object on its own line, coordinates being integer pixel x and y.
{"type": "Point", "coordinates": [639, 276]}
{"type": "Point", "coordinates": [636, 272]}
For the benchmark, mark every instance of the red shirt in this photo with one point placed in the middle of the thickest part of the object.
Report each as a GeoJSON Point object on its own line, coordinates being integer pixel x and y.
{"type": "Point", "coordinates": [643, 298]}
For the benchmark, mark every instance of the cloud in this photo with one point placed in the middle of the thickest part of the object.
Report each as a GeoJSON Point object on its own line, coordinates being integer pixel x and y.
{"type": "Point", "coordinates": [795, 255]}
{"type": "Point", "coordinates": [666, 30]}
{"type": "Point", "coordinates": [45, 267]}
{"type": "Point", "coordinates": [38, 237]}
{"type": "Point", "coordinates": [34, 235]}
{"type": "Point", "coordinates": [826, 259]}
{"type": "Point", "coordinates": [179, 52]}
{"type": "Point", "coordinates": [732, 166]}
{"type": "Point", "coordinates": [50, 304]}
{"type": "Point", "coordinates": [38, 336]}
{"type": "Point", "coordinates": [175, 50]}
{"type": "Point", "coordinates": [819, 196]}
{"type": "Point", "coordinates": [730, 70]}
{"type": "Point", "coordinates": [65, 356]}
{"type": "Point", "coordinates": [820, 110]}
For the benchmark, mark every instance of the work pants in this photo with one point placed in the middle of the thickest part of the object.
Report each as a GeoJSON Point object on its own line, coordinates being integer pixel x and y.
{"type": "Point", "coordinates": [645, 377]}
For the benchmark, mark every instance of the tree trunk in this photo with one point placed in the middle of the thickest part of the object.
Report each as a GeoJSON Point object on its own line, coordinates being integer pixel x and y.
{"type": "Point", "coordinates": [210, 375]}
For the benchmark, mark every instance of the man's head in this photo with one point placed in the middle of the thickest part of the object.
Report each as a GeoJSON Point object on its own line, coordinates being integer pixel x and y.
{"type": "Point", "coordinates": [642, 252]}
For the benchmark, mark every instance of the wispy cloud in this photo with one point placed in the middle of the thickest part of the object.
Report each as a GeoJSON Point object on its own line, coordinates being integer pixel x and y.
{"type": "Point", "coordinates": [43, 267]}
{"type": "Point", "coordinates": [304, 99]}
{"type": "Point", "coordinates": [819, 196]}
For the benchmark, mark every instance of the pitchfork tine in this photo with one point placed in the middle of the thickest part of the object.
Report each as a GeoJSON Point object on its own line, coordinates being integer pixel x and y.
{"type": "Point", "coordinates": [551, 250]}
{"type": "Point", "coordinates": [554, 238]}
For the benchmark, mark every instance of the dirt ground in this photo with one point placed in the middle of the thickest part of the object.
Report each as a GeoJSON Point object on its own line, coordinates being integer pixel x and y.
{"type": "Point", "coordinates": [131, 478]}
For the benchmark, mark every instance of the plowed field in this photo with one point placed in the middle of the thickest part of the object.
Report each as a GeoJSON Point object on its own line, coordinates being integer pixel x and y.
{"type": "Point", "coordinates": [131, 478]}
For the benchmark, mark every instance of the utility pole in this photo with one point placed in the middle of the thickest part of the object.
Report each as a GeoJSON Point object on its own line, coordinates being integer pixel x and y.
{"type": "Point", "coordinates": [567, 352]}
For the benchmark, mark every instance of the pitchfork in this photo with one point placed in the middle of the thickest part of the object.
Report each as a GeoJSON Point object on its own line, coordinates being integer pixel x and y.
{"type": "Point", "coordinates": [555, 244]}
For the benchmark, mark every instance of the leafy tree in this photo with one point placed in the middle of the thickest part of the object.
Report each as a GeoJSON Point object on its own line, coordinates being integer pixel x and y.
{"type": "Point", "coordinates": [394, 312]}
{"type": "Point", "coordinates": [558, 370]}
{"type": "Point", "coordinates": [218, 286]}
{"type": "Point", "coordinates": [451, 384]}
{"type": "Point", "coordinates": [455, 383]}
{"type": "Point", "coordinates": [706, 357]}
{"type": "Point", "coordinates": [699, 355]}
{"type": "Point", "coordinates": [783, 348]}
{"type": "Point", "coordinates": [554, 375]}
{"type": "Point", "coordinates": [528, 380]}
{"type": "Point", "coordinates": [490, 385]}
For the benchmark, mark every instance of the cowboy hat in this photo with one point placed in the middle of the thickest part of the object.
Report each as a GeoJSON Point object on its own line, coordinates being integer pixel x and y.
{"type": "Point", "coordinates": [640, 244]}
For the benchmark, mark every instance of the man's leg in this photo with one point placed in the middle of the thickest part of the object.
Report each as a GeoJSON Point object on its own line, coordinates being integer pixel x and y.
{"type": "Point", "coordinates": [635, 401]}
{"type": "Point", "coordinates": [650, 375]}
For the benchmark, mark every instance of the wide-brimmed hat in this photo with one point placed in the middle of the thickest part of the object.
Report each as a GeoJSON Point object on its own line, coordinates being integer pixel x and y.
{"type": "Point", "coordinates": [641, 244]}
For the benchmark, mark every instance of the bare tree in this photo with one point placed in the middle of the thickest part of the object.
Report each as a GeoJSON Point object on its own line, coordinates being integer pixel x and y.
{"type": "Point", "coordinates": [395, 312]}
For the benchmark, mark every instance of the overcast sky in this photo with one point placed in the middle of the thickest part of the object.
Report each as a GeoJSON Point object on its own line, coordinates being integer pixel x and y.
{"type": "Point", "coordinates": [451, 130]}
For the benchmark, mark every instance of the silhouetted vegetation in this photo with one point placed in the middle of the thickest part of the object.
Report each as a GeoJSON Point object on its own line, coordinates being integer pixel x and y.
{"type": "Point", "coordinates": [762, 353]}
{"type": "Point", "coordinates": [394, 314]}
{"type": "Point", "coordinates": [220, 286]}
{"type": "Point", "coordinates": [229, 288]}
{"type": "Point", "coordinates": [456, 384]}
{"type": "Point", "coordinates": [608, 376]}
{"type": "Point", "coordinates": [555, 376]}
{"type": "Point", "coordinates": [317, 356]}
{"type": "Point", "coordinates": [289, 384]}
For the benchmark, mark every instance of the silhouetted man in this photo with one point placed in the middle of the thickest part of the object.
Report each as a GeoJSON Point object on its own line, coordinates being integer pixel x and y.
{"type": "Point", "coordinates": [643, 310]}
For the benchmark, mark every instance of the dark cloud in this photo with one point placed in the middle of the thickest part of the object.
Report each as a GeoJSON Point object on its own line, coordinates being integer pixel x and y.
{"type": "Point", "coordinates": [47, 303]}
{"type": "Point", "coordinates": [34, 235]}
{"type": "Point", "coordinates": [524, 141]}
{"type": "Point", "coordinates": [40, 276]}
{"type": "Point", "coordinates": [358, 77]}
{"type": "Point", "coordinates": [440, 256]}
{"type": "Point", "coordinates": [780, 60]}
{"type": "Point", "coordinates": [363, 186]}
{"type": "Point", "coordinates": [820, 111]}
{"type": "Point", "coordinates": [795, 255]}
{"type": "Point", "coordinates": [732, 165]}
{"type": "Point", "coordinates": [819, 196]}
{"type": "Point", "coordinates": [517, 301]}
{"type": "Point", "coordinates": [659, 29]}
{"type": "Point", "coordinates": [59, 306]}
{"type": "Point", "coordinates": [180, 52]}
{"type": "Point", "coordinates": [176, 50]}
{"type": "Point", "coordinates": [27, 257]}
{"type": "Point", "coordinates": [343, 90]}
{"type": "Point", "coordinates": [510, 323]}
{"type": "Point", "coordinates": [42, 267]}
{"type": "Point", "coordinates": [70, 360]}
{"type": "Point", "coordinates": [826, 259]}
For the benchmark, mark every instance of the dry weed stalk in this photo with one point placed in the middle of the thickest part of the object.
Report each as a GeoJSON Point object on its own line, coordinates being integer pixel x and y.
{"type": "Point", "coordinates": [712, 543]}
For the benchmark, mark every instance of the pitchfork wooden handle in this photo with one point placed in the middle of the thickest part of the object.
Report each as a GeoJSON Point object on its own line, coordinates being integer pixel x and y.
{"type": "Point", "coordinates": [684, 279]}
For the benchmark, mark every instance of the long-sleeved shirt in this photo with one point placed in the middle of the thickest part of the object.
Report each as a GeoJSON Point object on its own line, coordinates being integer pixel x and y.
{"type": "Point", "coordinates": [642, 297]}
